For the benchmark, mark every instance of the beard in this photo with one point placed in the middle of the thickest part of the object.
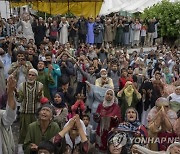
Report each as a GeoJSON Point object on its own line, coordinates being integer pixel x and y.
{"type": "Point", "coordinates": [31, 81]}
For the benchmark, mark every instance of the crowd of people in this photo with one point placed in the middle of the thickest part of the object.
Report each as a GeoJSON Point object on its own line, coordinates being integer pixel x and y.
{"type": "Point", "coordinates": [73, 87]}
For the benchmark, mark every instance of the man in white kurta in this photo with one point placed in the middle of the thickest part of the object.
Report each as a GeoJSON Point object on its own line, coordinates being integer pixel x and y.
{"type": "Point", "coordinates": [27, 28]}
{"type": "Point", "coordinates": [63, 39]}
{"type": "Point", "coordinates": [137, 29]}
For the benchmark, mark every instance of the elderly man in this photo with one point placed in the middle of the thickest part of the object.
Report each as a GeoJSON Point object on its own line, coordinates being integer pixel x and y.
{"type": "Point", "coordinates": [28, 94]}
{"type": "Point", "coordinates": [41, 130]}
{"type": "Point", "coordinates": [6, 119]}
{"type": "Point", "coordinates": [104, 80]}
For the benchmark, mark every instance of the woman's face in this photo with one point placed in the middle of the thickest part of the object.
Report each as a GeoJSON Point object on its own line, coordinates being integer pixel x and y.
{"type": "Point", "coordinates": [131, 115]}
{"type": "Point", "coordinates": [57, 98]}
{"type": "Point", "coordinates": [114, 150]}
{"type": "Point", "coordinates": [109, 95]}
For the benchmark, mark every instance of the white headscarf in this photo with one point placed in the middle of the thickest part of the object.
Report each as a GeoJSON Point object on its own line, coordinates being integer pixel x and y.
{"type": "Point", "coordinates": [78, 138]}
{"type": "Point", "coordinates": [108, 103]}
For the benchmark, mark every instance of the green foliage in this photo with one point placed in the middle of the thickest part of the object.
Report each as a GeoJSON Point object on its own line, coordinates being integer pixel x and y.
{"type": "Point", "coordinates": [167, 13]}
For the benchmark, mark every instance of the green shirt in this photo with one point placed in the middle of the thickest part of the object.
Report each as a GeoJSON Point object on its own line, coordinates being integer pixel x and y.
{"type": "Point", "coordinates": [34, 134]}
{"type": "Point", "coordinates": [45, 79]}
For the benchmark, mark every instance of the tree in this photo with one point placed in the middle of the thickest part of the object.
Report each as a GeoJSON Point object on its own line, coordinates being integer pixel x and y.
{"type": "Point", "coordinates": [168, 14]}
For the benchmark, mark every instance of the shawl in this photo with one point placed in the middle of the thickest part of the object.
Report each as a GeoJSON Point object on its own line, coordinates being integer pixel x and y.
{"type": "Point", "coordinates": [130, 126]}
{"type": "Point", "coordinates": [128, 91]}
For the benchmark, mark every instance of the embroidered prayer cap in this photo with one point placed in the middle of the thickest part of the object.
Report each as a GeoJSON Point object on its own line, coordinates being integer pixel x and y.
{"type": "Point", "coordinates": [34, 71]}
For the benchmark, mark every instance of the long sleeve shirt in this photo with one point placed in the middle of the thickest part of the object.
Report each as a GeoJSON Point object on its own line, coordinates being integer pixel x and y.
{"type": "Point", "coordinates": [7, 117]}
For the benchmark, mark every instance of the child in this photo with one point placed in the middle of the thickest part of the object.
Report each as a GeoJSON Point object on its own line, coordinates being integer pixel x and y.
{"type": "Point", "coordinates": [79, 106]}
{"type": "Point", "coordinates": [89, 129]}
{"type": "Point", "coordinates": [46, 147]}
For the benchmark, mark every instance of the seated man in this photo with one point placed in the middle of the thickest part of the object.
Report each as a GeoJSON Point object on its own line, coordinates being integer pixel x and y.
{"type": "Point", "coordinates": [46, 147]}
{"type": "Point", "coordinates": [104, 80]}
{"type": "Point", "coordinates": [7, 118]}
{"type": "Point", "coordinates": [41, 130]}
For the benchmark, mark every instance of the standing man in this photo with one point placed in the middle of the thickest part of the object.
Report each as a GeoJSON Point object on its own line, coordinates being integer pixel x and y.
{"type": "Point", "coordinates": [98, 33]}
{"type": "Point", "coordinates": [28, 94]}
{"type": "Point", "coordinates": [55, 72]}
{"type": "Point", "coordinates": [7, 117]}
{"type": "Point", "coordinates": [45, 78]}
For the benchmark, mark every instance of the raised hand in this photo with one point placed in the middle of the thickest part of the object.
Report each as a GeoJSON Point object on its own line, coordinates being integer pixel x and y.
{"type": "Point", "coordinates": [11, 84]}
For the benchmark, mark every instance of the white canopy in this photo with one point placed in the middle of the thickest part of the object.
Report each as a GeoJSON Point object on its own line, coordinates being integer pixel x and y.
{"type": "Point", "coordinates": [130, 6]}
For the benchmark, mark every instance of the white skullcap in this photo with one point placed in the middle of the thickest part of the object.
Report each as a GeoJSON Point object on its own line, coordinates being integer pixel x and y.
{"type": "Point", "coordinates": [34, 71]}
{"type": "Point", "coordinates": [103, 69]}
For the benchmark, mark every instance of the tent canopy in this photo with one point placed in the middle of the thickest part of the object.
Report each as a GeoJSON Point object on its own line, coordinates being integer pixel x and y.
{"type": "Point", "coordinates": [87, 8]}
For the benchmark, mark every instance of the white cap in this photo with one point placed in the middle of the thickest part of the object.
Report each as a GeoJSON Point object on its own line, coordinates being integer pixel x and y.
{"type": "Point", "coordinates": [34, 71]}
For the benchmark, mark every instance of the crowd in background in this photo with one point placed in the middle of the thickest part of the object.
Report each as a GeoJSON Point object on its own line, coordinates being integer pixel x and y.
{"type": "Point", "coordinates": [73, 87]}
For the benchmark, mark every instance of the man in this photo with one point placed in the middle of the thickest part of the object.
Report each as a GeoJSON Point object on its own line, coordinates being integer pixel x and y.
{"type": "Point", "coordinates": [98, 33]}
{"type": "Point", "coordinates": [104, 80]}
{"type": "Point", "coordinates": [7, 118]}
{"type": "Point", "coordinates": [44, 78]}
{"type": "Point", "coordinates": [67, 68]}
{"type": "Point", "coordinates": [41, 130]}
{"type": "Point", "coordinates": [151, 29]}
{"type": "Point", "coordinates": [32, 57]}
{"type": "Point", "coordinates": [55, 72]}
{"type": "Point", "coordinates": [29, 93]}
{"type": "Point", "coordinates": [114, 74]}
{"type": "Point", "coordinates": [20, 68]}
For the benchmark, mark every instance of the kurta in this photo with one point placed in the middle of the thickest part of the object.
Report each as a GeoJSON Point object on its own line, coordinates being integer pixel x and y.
{"type": "Point", "coordinates": [29, 97]}
{"type": "Point", "coordinates": [35, 135]}
{"type": "Point", "coordinates": [27, 30]}
{"type": "Point", "coordinates": [45, 79]}
{"type": "Point", "coordinates": [2, 83]}
{"type": "Point", "coordinates": [98, 38]}
{"type": "Point", "coordinates": [106, 122]}
{"type": "Point", "coordinates": [7, 117]}
{"type": "Point", "coordinates": [63, 39]}
{"type": "Point", "coordinates": [90, 33]}
{"type": "Point", "coordinates": [119, 35]}
{"type": "Point", "coordinates": [137, 28]}
{"type": "Point", "coordinates": [108, 33]}
{"type": "Point", "coordinates": [40, 33]}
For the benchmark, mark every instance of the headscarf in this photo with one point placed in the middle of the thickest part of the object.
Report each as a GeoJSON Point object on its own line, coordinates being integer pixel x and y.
{"type": "Point", "coordinates": [128, 91]}
{"type": "Point", "coordinates": [62, 104]}
{"type": "Point", "coordinates": [130, 125]}
{"type": "Point", "coordinates": [147, 85]}
{"type": "Point", "coordinates": [77, 139]}
{"type": "Point", "coordinates": [108, 103]}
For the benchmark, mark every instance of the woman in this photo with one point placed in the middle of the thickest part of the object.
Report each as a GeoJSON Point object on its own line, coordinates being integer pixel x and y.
{"type": "Point", "coordinates": [133, 128]}
{"type": "Point", "coordinates": [61, 110]}
{"type": "Point", "coordinates": [147, 101]}
{"type": "Point", "coordinates": [107, 116]}
{"type": "Point", "coordinates": [174, 99]}
{"type": "Point", "coordinates": [128, 97]}
{"type": "Point", "coordinates": [72, 139]}
{"type": "Point", "coordinates": [161, 120]}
